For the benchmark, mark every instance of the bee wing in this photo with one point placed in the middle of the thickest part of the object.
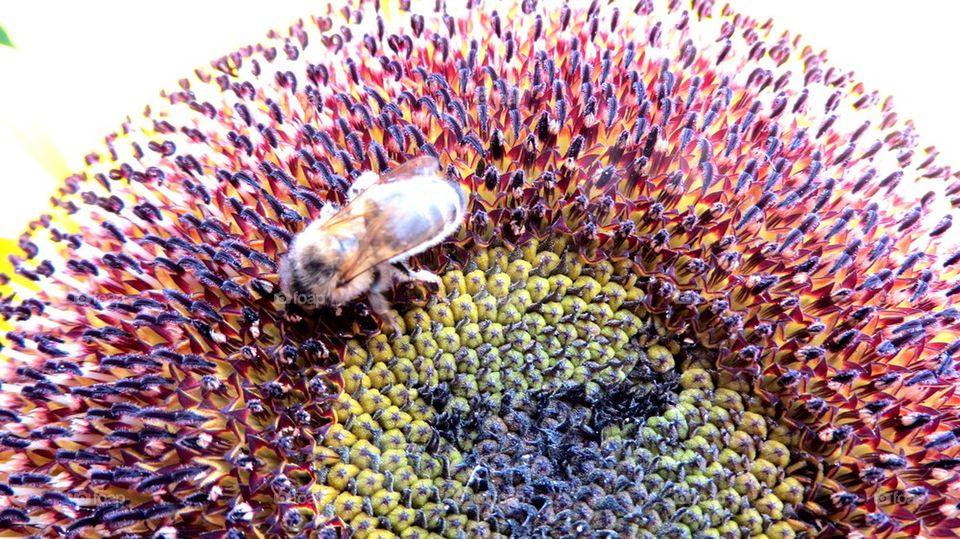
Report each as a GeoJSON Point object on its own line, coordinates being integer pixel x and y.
{"type": "Point", "coordinates": [374, 250]}
{"type": "Point", "coordinates": [423, 165]}
{"type": "Point", "coordinates": [389, 235]}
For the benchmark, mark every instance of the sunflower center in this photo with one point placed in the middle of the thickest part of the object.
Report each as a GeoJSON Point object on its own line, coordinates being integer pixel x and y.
{"type": "Point", "coordinates": [537, 397]}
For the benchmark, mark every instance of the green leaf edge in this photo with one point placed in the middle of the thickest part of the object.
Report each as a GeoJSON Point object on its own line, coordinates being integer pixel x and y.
{"type": "Point", "coordinates": [4, 38]}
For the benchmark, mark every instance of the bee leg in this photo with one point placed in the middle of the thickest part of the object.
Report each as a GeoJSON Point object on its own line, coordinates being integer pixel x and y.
{"type": "Point", "coordinates": [381, 307]}
{"type": "Point", "coordinates": [427, 277]}
{"type": "Point", "coordinates": [404, 274]}
{"type": "Point", "coordinates": [382, 280]}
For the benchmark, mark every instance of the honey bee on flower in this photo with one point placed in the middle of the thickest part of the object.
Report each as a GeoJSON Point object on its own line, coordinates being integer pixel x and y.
{"type": "Point", "coordinates": [692, 292]}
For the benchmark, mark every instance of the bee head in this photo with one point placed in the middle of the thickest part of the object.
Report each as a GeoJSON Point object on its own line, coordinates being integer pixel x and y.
{"type": "Point", "coordinates": [308, 272]}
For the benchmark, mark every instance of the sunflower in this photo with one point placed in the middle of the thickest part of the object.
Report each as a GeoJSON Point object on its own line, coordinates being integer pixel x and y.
{"type": "Point", "coordinates": [695, 295]}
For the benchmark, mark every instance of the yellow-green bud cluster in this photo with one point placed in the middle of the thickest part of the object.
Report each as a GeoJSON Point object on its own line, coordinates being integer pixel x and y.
{"type": "Point", "coordinates": [536, 396]}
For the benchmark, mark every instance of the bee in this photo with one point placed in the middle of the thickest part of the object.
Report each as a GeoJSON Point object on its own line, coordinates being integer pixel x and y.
{"type": "Point", "coordinates": [362, 246]}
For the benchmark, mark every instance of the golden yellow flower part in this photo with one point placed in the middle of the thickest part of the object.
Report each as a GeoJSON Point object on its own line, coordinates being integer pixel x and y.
{"type": "Point", "coordinates": [692, 297]}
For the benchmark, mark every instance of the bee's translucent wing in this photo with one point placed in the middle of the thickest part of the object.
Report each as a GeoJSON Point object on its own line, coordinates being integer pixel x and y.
{"type": "Point", "coordinates": [385, 240]}
{"type": "Point", "coordinates": [393, 231]}
{"type": "Point", "coordinates": [423, 165]}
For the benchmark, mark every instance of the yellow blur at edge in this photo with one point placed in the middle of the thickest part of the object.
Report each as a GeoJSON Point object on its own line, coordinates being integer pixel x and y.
{"type": "Point", "coordinates": [31, 161]}
{"type": "Point", "coordinates": [29, 169]}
